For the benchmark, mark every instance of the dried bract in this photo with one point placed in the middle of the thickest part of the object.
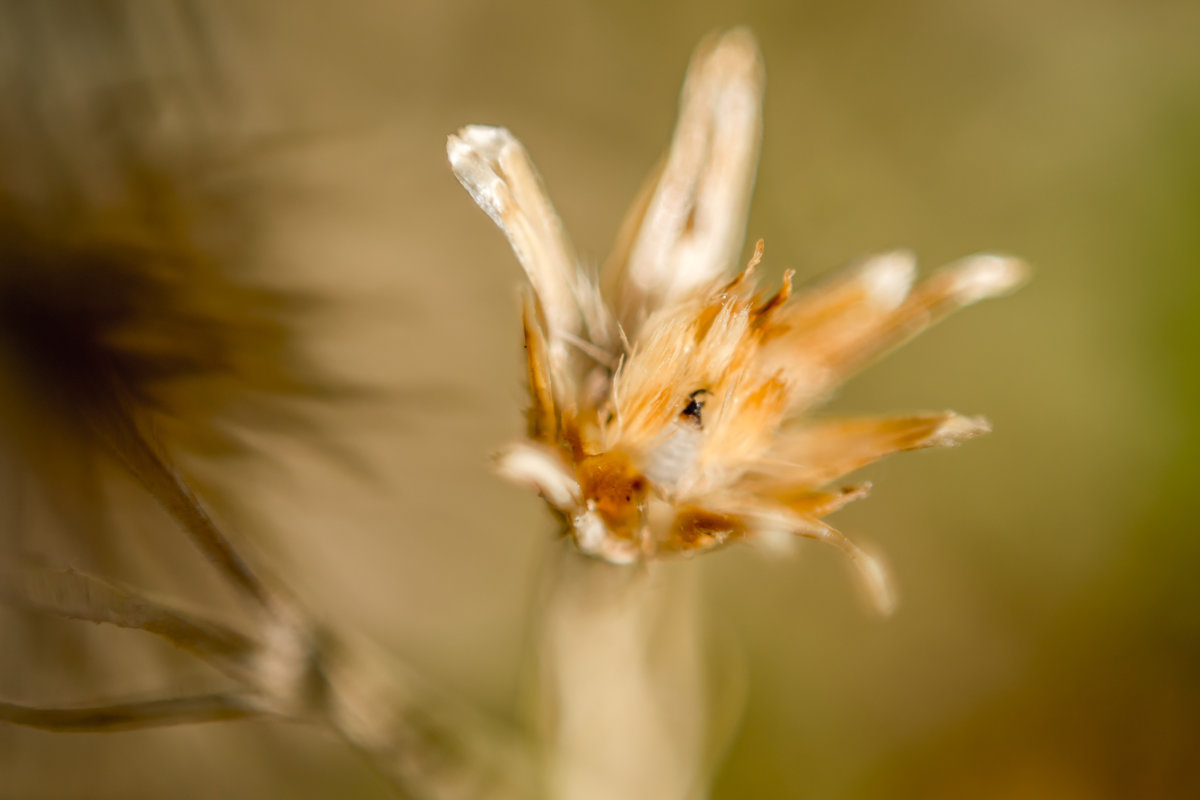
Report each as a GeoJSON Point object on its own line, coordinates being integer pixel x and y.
{"type": "Point", "coordinates": [669, 398]}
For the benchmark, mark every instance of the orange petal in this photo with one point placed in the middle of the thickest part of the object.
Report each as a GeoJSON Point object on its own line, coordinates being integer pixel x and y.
{"type": "Point", "coordinates": [541, 419]}
{"type": "Point", "coordinates": [818, 503]}
{"type": "Point", "coordinates": [830, 332]}
{"type": "Point", "coordinates": [696, 529]}
{"type": "Point", "coordinates": [815, 454]}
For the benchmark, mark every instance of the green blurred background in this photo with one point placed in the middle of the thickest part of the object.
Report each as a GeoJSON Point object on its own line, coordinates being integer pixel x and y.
{"type": "Point", "coordinates": [1048, 639]}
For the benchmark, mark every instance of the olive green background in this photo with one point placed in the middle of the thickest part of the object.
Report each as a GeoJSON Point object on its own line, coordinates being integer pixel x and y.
{"type": "Point", "coordinates": [1048, 639]}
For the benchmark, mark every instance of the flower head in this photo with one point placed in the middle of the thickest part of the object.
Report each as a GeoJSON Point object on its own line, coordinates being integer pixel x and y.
{"type": "Point", "coordinates": [669, 397]}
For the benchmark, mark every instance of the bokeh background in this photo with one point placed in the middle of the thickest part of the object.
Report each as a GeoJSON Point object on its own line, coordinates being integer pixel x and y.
{"type": "Point", "coordinates": [1048, 640]}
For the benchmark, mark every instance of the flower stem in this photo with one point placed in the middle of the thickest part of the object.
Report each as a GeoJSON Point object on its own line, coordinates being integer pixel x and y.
{"type": "Point", "coordinates": [623, 688]}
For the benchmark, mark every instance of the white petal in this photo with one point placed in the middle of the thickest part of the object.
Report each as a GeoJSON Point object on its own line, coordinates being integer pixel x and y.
{"type": "Point", "coordinates": [692, 227]}
{"type": "Point", "coordinates": [985, 275]}
{"type": "Point", "coordinates": [670, 460]}
{"type": "Point", "coordinates": [957, 429]}
{"type": "Point", "coordinates": [539, 468]}
{"type": "Point", "coordinates": [887, 278]}
{"type": "Point", "coordinates": [496, 170]}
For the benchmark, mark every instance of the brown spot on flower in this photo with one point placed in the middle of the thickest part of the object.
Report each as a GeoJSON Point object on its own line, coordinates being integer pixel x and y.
{"type": "Point", "coordinates": [696, 529]}
{"type": "Point", "coordinates": [615, 489]}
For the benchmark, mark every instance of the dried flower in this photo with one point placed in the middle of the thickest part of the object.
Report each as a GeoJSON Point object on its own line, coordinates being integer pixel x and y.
{"type": "Point", "coordinates": [669, 399]}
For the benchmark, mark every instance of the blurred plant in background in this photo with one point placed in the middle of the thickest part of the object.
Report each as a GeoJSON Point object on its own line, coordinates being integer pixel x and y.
{"type": "Point", "coordinates": [130, 322]}
{"type": "Point", "coordinates": [1048, 641]}
{"type": "Point", "coordinates": [124, 333]}
{"type": "Point", "coordinates": [129, 317]}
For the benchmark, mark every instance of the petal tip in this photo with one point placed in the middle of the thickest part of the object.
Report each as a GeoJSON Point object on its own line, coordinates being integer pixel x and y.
{"type": "Point", "coordinates": [888, 277]}
{"type": "Point", "coordinates": [738, 48]}
{"type": "Point", "coordinates": [989, 275]}
{"type": "Point", "coordinates": [956, 429]}
{"type": "Point", "coordinates": [876, 583]}
{"type": "Point", "coordinates": [470, 143]}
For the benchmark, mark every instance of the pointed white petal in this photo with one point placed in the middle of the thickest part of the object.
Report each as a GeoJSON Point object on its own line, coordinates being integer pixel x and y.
{"type": "Point", "coordinates": [689, 230]}
{"type": "Point", "coordinates": [886, 279]}
{"type": "Point", "coordinates": [985, 275]}
{"type": "Point", "coordinates": [501, 178]}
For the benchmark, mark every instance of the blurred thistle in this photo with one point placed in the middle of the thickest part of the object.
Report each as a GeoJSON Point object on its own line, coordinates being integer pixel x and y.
{"type": "Point", "coordinates": [131, 332]}
{"type": "Point", "coordinates": [130, 219]}
{"type": "Point", "coordinates": [668, 396]}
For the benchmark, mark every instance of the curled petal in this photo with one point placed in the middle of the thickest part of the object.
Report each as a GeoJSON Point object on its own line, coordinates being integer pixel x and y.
{"type": "Point", "coordinates": [873, 577]}
{"type": "Point", "coordinates": [687, 227]}
{"type": "Point", "coordinates": [541, 469]}
{"type": "Point", "coordinates": [760, 518]}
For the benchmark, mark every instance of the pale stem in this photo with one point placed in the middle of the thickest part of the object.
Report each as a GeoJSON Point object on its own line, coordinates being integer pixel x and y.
{"type": "Point", "coordinates": [621, 682]}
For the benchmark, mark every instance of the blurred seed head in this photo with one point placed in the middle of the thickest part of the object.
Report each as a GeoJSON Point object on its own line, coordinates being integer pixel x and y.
{"type": "Point", "coordinates": [670, 397]}
{"type": "Point", "coordinates": [129, 218]}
